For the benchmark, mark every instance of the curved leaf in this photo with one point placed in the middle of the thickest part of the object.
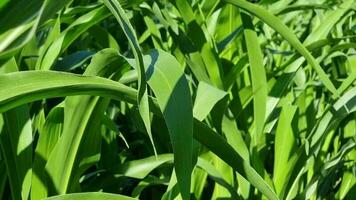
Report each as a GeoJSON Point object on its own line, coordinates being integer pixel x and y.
{"type": "Point", "coordinates": [81, 116]}
{"type": "Point", "coordinates": [167, 80]}
{"type": "Point", "coordinates": [282, 29]}
{"type": "Point", "coordinates": [16, 92]}
{"type": "Point", "coordinates": [142, 98]}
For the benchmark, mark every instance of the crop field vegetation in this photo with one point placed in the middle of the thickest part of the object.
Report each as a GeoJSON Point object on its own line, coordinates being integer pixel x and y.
{"type": "Point", "coordinates": [177, 99]}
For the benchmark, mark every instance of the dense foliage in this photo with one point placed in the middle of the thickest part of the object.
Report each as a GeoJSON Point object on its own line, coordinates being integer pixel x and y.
{"type": "Point", "coordinates": [188, 99]}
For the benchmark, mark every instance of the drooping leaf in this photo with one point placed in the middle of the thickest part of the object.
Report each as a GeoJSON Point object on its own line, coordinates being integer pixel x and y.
{"type": "Point", "coordinates": [142, 98]}
{"type": "Point", "coordinates": [14, 95]}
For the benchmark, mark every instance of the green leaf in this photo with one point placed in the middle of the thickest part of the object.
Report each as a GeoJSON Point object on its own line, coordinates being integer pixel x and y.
{"type": "Point", "coordinates": [17, 30]}
{"type": "Point", "coordinates": [217, 177]}
{"type": "Point", "coordinates": [301, 7]}
{"type": "Point", "coordinates": [287, 34]}
{"type": "Point", "coordinates": [81, 117]}
{"type": "Point", "coordinates": [3, 3]}
{"type": "Point", "coordinates": [16, 146]}
{"type": "Point", "coordinates": [48, 138]}
{"type": "Point", "coordinates": [203, 45]}
{"type": "Point", "coordinates": [284, 142]}
{"type": "Point", "coordinates": [258, 76]}
{"type": "Point", "coordinates": [221, 148]}
{"type": "Point", "coordinates": [227, 28]}
{"type": "Point", "coordinates": [167, 80]}
{"type": "Point", "coordinates": [68, 36]}
{"type": "Point", "coordinates": [141, 168]}
{"type": "Point", "coordinates": [89, 196]}
{"type": "Point", "coordinates": [348, 181]}
{"type": "Point", "coordinates": [235, 138]}
{"type": "Point", "coordinates": [207, 97]}
{"type": "Point", "coordinates": [331, 18]}
{"type": "Point", "coordinates": [16, 90]}
{"type": "Point", "coordinates": [330, 119]}
{"type": "Point", "coordinates": [142, 97]}
{"type": "Point", "coordinates": [45, 85]}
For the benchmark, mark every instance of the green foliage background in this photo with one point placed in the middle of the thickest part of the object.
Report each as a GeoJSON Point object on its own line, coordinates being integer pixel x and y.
{"type": "Point", "coordinates": [177, 99]}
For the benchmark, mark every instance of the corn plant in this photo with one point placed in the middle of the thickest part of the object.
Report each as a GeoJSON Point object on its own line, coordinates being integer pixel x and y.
{"type": "Point", "coordinates": [177, 99]}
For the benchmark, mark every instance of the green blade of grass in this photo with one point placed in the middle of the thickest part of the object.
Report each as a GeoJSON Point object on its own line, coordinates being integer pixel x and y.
{"type": "Point", "coordinates": [81, 117]}
{"type": "Point", "coordinates": [48, 138]}
{"type": "Point", "coordinates": [69, 35]}
{"type": "Point", "coordinates": [207, 97]}
{"type": "Point", "coordinates": [166, 78]}
{"type": "Point", "coordinates": [329, 121]}
{"type": "Point", "coordinates": [348, 181]}
{"type": "Point", "coordinates": [302, 7]}
{"type": "Point", "coordinates": [141, 168]}
{"type": "Point", "coordinates": [258, 76]}
{"type": "Point", "coordinates": [235, 139]}
{"type": "Point", "coordinates": [16, 145]}
{"type": "Point", "coordinates": [284, 142]}
{"type": "Point", "coordinates": [56, 84]}
{"type": "Point", "coordinates": [217, 177]}
{"type": "Point", "coordinates": [17, 30]}
{"type": "Point", "coordinates": [142, 97]}
{"type": "Point", "coordinates": [279, 115]}
{"type": "Point", "coordinates": [221, 148]}
{"type": "Point", "coordinates": [46, 85]}
{"type": "Point", "coordinates": [331, 19]}
{"type": "Point", "coordinates": [202, 43]}
{"type": "Point", "coordinates": [287, 34]}
{"type": "Point", "coordinates": [90, 195]}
